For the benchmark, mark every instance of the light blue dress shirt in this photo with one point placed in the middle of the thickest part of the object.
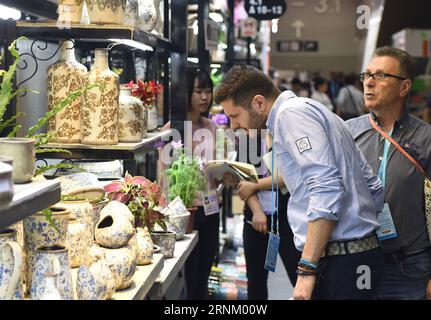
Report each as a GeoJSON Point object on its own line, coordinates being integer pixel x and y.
{"type": "Point", "coordinates": [324, 170]}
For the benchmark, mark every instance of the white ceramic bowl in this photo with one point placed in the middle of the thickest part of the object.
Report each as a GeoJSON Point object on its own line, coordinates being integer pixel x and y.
{"type": "Point", "coordinates": [178, 223]}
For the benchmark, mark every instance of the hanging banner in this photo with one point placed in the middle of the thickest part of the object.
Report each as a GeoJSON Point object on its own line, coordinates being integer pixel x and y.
{"type": "Point", "coordinates": [265, 9]}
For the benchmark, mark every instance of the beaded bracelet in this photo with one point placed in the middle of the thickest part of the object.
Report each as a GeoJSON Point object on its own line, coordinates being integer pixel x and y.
{"type": "Point", "coordinates": [301, 272]}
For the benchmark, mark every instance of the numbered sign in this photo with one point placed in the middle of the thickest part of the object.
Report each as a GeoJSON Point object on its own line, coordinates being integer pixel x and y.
{"type": "Point", "coordinates": [265, 9]}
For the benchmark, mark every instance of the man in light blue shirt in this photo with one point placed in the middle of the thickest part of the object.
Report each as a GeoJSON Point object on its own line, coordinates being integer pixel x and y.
{"type": "Point", "coordinates": [335, 197]}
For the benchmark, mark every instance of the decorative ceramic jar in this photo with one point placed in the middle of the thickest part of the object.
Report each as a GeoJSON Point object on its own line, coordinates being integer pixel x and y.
{"type": "Point", "coordinates": [11, 267]}
{"type": "Point", "coordinates": [113, 231]}
{"type": "Point", "coordinates": [21, 150]}
{"type": "Point", "coordinates": [84, 184]}
{"type": "Point", "coordinates": [6, 184]}
{"type": "Point", "coordinates": [97, 207]}
{"type": "Point", "coordinates": [147, 15]}
{"type": "Point", "coordinates": [130, 117]}
{"type": "Point", "coordinates": [95, 281]}
{"type": "Point", "coordinates": [106, 11]}
{"type": "Point", "coordinates": [81, 210]}
{"type": "Point", "coordinates": [166, 241]}
{"type": "Point", "coordinates": [152, 115]}
{"type": "Point", "coordinates": [117, 208]}
{"type": "Point", "coordinates": [69, 11]}
{"type": "Point", "coordinates": [145, 246]}
{"type": "Point", "coordinates": [131, 14]}
{"type": "Point", "coordinates": [122, 263]}
{"type": "Point", "coordinates": [99, 115]}
{"type": "Point", "coordinates": [178, 223]}
{"type": "Point", "coordinates": [52, 261]}
{"type": "Point", "coordinates": [79, 242]}
{"type": "Point", "coordinates": [38, 232]}
{"type": "Point", "coordinates": [65, 76]}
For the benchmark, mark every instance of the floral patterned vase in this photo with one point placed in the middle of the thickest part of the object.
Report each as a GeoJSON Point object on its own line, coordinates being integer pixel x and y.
{"type": "Point", "coordinates": [99, 114]}
{"type": "Point", "coordinates": [81, 210]}
{"type": "Point", "coordinates": [131, 14]}
{"type": "Point", "coordinates": [79, 242]}
{"type": "Point", "coordinates": [69, 11]}
{"type": "Point", "coordinates": [152, 116]}
{"type": "Point", "coordinates": [65, 76]}
{"type": "Point", "coordinates": [11, 267]}
{"type": "Point", "coordinates": [166, 241]}
{"type": "Point", "coordinates": [145, 246]}
{"type": "Point", "coordinates": [106, 11]}
{"type": "Point", "coordinates": [130, 117]}
{"type": "Point", "coordinates": [147, 15]}
{"type": "Point", "coordinates": [52, 261]}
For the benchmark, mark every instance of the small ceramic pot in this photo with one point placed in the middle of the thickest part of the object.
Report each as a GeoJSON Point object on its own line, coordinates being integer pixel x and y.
{"type": "Point", "coordinates": [52, 262]}
{"type": "Point", "coordinates": [69, 11]}
{"type": "Point", "coordinates": [21, 150]}
{"type": "Point", "coordinates": [145, 246]}
{"type": "Point", "coordinates": [11, 267]}
{"type": "Point", "coordinates": [166, 241]}
{"type": "Point", "coordinates": [117, 208]}
{"type": "Point", "coordinates": [178, 223]}
{"type": "Point", "coordinates": [122, 263]}
{"type": "Point", "coordinates": [113, 231]}
{"type": "Point", "coordinates": [106, 11]}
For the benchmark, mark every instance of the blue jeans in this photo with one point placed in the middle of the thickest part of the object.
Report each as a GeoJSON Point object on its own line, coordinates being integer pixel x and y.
{"type": "Point", "coordinates": [406, 280]}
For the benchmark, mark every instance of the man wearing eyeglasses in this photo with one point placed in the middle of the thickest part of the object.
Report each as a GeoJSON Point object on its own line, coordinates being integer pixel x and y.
{"type": "Point", "coordinates": [403, 235]}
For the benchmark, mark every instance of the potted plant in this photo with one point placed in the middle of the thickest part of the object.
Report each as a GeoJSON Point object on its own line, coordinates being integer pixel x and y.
{"type": "Point", "coordinates": [147, 92]}
{"type": "Point", "coordinates": [186, 178]}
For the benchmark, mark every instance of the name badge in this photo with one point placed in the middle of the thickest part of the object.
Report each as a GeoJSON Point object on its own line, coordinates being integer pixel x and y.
{"type": "Point", "coordinates": [387, 227]}
{"type": "Point", "coordinates": [210, 201]}
{"type": "Point", "coordinates": [265, 200]}
{"type": "Point", "coordinates": [272, 252]}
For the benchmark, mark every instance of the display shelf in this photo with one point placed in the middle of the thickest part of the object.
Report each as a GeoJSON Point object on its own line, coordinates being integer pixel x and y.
{"type": "Point", "coordinates": [90, 33]}
{"type": "Point", "coordinates": [28, 199]}
{"type": "Point", "coordinates": [142, 280]}
{"type": "Point", "coordinates": [183, 248]}
{"type": "Point", "coordinates": [120, 151]}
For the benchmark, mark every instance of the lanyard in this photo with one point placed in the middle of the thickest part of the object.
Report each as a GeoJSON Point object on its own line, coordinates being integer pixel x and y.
{"type": "Point", "coordinates": [274, 204]}
{"type": "Point", "coordinates": [384, 163]}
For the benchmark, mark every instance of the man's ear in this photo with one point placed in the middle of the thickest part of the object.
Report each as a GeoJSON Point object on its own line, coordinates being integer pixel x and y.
{"type": "Point", "coordinates": [405, 88]}
{"type": "Point", "coordinates": [259, 103]}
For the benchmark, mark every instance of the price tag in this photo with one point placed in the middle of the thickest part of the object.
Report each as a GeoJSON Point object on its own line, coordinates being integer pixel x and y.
{"type": "Point", "coordinates": [265, 9]}
{"type": "Point", "coordinates": [272, 252]}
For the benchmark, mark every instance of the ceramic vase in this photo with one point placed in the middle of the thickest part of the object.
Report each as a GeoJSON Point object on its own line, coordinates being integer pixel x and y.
{"type": "Point", "coordinates": [95, 281]}
{"type": "Point", "coordinates": [166, 241]}
{"type": "Point", "coordinates": [69, 11]}
{"type": "Point", "coordinates": [11, 267]}
{"type": "Point", "coordinates": [158, 28]}
{"type": "Point", "coordinates": [130, 117]}
{"type": "Point", "coordinates": [152, 115]}
{"type": "Point", "coordinates": [83, 185]}
{"type": "Point", "coordinates": [79, 242]}
{"type": "Point", "coordinates": [113, 231]}
{"type": "Point", "coordinates": [147, 15]}
{"type": "Point", "coordinates": [99, 116]}
{"type": "Point", "coordinates": [52, 262]}
{"type": "Point", "coordinates": [65, 76]}
{"type": "Point", "coordinates": [22, 152]}
{"type": "Point", "coordinates": [145, 246]}
{"type": "Point", "coordinates": [106, 11]}
{"type": "Point", "coordinates": [178, 223]}
{"type": "Point", "coordinates": [122, 263]}
{"type": "Point", "coordinates": [38, 232]}
{"type": "Point", "coordinates": [81, 210]}
{"type": "Point", "coordinates": [131, 14]}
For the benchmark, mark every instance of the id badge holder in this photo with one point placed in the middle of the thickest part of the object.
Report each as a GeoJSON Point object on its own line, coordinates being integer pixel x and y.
{"type": "Point", "coordinates": [272, 252]}
{"type": "Point", "coordinates": [387, 227]}
{"type": "Point", "coordinates": [210, 202]}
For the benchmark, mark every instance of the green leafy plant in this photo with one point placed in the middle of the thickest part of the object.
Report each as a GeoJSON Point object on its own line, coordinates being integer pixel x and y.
{"type": "Point", "coordinates": [185, 176]}
{"type": "Point", "coordinates": [48, 216]}
{"type": "Point", "coordinates": [142, 197]}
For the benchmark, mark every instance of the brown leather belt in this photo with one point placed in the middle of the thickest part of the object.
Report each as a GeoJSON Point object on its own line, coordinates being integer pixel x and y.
{"type": "Point", "coordinates": [351, 246]}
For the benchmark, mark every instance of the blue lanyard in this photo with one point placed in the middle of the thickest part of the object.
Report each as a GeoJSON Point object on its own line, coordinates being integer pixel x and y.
{"type": "Point", "coordinates": [274, 209]}
{"type": "Point", "coordinates": [384, 163]}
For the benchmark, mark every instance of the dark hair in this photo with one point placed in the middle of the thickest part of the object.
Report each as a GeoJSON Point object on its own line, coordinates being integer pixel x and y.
{"type": "Point", "coordinates": [351, 79]}
{"type": "Point", "coordinates": [406, 61]}
{"type": "Point", "coordinates": [204, 81]}
{"type": "Point", "coordinates": [241, 83]}
{"type": "Point", "coordinates": [318, 82]}
{"type": "Point", "coordinates": [296, 81]}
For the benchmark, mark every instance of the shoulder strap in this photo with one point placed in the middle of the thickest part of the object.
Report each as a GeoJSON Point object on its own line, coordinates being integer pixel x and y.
{"type": "Point", "coordinates": [358, 109]}
{"type": "Point", "coordinates": [396, 145]}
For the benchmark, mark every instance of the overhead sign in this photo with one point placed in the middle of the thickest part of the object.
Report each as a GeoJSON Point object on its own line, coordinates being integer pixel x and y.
{"type": "Point", "coordinates": [297, 46]}
{"type": "Point", "coordinates": [248, 28]}
{"type": "Point", "coordinates": [265, 9]}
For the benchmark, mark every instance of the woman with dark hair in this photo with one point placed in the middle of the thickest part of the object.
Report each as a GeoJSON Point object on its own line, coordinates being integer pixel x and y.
{"type": "Point", "coordinates": [320, 90]}
{"type": "Point", "coordinates": [199, 263]}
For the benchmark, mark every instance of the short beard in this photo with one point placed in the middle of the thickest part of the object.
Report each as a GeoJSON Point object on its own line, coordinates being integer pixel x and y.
{"type": "Point", "coordinates": [257, 121]}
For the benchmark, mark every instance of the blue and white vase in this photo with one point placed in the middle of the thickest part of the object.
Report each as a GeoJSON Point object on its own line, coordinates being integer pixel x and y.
{"type": "Point", "coordinates": [122, 263]}
{"type": "Point", "coordinates": [11, 267]}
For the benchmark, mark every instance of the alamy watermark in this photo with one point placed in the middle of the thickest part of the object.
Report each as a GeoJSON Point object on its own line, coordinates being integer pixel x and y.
{"type": "Point", "coordinates": [363, 20]}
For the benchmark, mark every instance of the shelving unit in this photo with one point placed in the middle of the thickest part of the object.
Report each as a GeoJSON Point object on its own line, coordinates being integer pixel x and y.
{"type": "Point", "coordinates": [28, 199]}
{"type": "Point", "coordinates": [170, 279]}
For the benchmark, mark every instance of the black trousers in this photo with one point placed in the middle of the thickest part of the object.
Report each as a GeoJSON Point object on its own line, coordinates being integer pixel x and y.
{"type": "Point", "coordinates": [349, 277]}
{"type": "Point", "coordinates": [198, 264]}
{"type": "Point", "coordinates": [255, 247]}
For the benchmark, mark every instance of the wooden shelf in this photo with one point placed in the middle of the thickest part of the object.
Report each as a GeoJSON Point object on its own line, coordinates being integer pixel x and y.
{"type": "Point", "coordinates": [120, 151]}
{"type": "Point", "coordinates": [172, 266]}
{"type": "Point", "coordinates": [91, 33]}
{"type": "Point", "coordinates": [142, 280]}
{"type": "Point", "coordinates": [28, 199]}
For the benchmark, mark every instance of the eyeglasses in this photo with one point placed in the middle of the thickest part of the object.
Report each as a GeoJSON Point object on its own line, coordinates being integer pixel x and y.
{"type": "Point", "coordinates": [379, 76]}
